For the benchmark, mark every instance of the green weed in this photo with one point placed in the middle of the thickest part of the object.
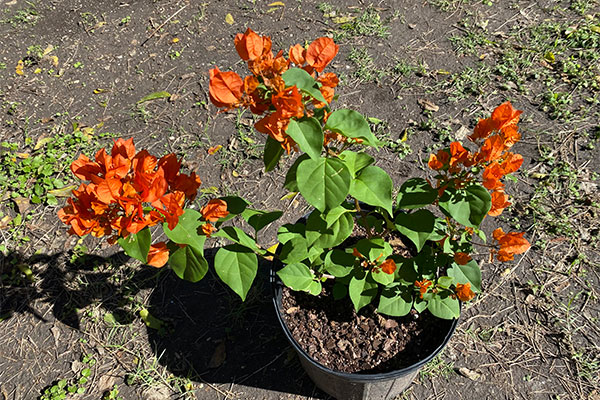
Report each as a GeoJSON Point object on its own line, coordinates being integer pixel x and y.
{"type": "Point", "coordinates": [369, 23]}
{"type": "Point", "coordinates": [112, 394]}
{"type": "Point", "coordinates": [556, 104]}
{"type": "Point", "coordinates": [437, 367]}
{"type": "Point", "coordinates": [23, 17]}
{"type": "Point", "coordinates": [365, 67]}
{"type": "Point", "coordinates": [36, 174]}
{"type": "Point", "coordinates": [469, 82]}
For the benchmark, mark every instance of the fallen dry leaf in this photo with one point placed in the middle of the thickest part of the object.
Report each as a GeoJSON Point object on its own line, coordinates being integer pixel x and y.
{"type": "Point", "coordinates": [106, 382]}
{"type": "Point", "coordinates": [218, 357]}
{"type": "Point", "coordinates": [428, 105]}
{"type": "Point", "coordinates": [22, 204]}
{"type": "Point", "coordinates": [5, 222]}
{"type": "Point", "coordinates": [229, 19]}
{"type": "Point", "coordinates": [467, 373]}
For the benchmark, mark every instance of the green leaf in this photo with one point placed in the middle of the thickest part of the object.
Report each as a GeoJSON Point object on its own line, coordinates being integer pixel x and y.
{"type": "Point", "coordinates": [291, 183]}
{"type": "Point", "coordinates": [235, 205]}
{"type": "Point", "coordinates": [374, 187]}
{"type": "Point", "coordinates": [468, 273]}
{"type": "Point", "coordinates": [444, 307]}
{"type": "Point", "coordinates": [289, 231]}
{"type": "Point", "coordinates": [272, 154]}
{"type": "Point", "coordinates": [440, 230]}
{"type": "Point", "coordinates": [362, 291]}
{"type": "Point", "coordinates": [258, 219]}
{"type": "Point", "coordinates": [307, 133]}
{"type": "Point", "coordinates": [315, 288]}
{"type": "Point", "coordinates": [294, 250]}
{"type": "Point", "coordinates": [395, 301]}
{"type": "Point", "coordinates": [335, 214]}
{"type": "Point", "coordinates": [294, 247]}
{"type": "Point", "coordinates": [186, 230]}
{"type": "Point", "coordinates": [356, 161]}
{"type": "Point", "coordinates": [339, 263]}
{"type": "Point", "coordinates": [324, 183]}
{"type": "Point", "coordinates": [467, 206]}
{"type": "Point", "coordinates": [417, 226]}
{"type": "Point", "coordinates": [445, 281]}
{"type": "Point", "coordinates": [189, 263]}
{"type": "Point", "coordinates": [320, 235]}
{"type": "Point", "coordinates": [381, 277]}
{"type": "Point", "coordinates": [416, 193]}
{"type": "Point", "coordinates": [304, 82]}
{"type": "Point", "coordinates": [137, 245]}
{"type": "Point", "coordinates": [238, 236]}
{"type": "Point", "coordinates": [236, 266]}
{"type": "Point", "coordinates": [351, 124]}
{"type": "Point", "coordinates": [420, 305]}
{"type": "Point", "coordinates": [297, 276]}
{"type": "Point", "coordinates": [154, 96]}
{"type": "Point", "coordinates": [407, 270]}
{"type": "Point", "coordinates": [374, 249]}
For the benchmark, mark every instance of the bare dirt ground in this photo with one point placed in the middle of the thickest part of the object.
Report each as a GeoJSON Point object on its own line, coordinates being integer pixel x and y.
{"type": "Point", "coordinates": [77, 316]}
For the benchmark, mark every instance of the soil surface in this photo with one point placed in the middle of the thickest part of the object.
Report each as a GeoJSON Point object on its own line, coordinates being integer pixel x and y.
{"type": "Point", "coordinates": [73, 75]}
{"type": "Point", "coordinates": [332, 333]}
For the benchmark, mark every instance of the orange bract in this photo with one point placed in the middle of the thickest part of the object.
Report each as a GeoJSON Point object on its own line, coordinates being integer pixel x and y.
{"type": "Point", "coordinates": [214, 210]}
{"type": "Point", "coordinates": [321, 52]}
{"type": "Point", "coordinates": [423, 285]}
{"type": "Point", "coordinates": [499, 203]}
{"type": "Point", "coordinates": [208, 229]}
{"type": "Point", "coordinates": [510, 244]}
{"type": "Point", "coordinates": [504, 118]}
{"type": "Point", "coordinates": [249, 45]}
{"type": "Point", "coordinates": [225, 88]}
{"type": "Point", "coordinates": [439, 160]}
{"type": "Point", "coordinates": [297, 54]}
{"type": "Point", "coordinates": [158, 255]}
{"type": "Point", "coordinates": [388, 266]}
{"type": "Point", "coordinates": [461, 258]}
{"type": "Point", "coordinates": [464, 292]}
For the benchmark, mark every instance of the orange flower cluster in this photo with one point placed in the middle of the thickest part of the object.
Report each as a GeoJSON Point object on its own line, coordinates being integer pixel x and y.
{"type": "Point", "coordinates": [388, 266]}
{"type": "Point", "coordinates": [461, 258]}
{"type": "Point", "coordinates": [510, 244]}
{"type": "Point", "coordinates": [211, 212]}
{"type": "Point", "coordinates": [497, 134]}
{"type": "Point", "coordinates": [128, 191]}
{"type": "Point", "coordinates": [423, 286]}
{"type": "Point", "coordinates": [265, 89]}
{"type": "Point", "coordinates": [464, 292]}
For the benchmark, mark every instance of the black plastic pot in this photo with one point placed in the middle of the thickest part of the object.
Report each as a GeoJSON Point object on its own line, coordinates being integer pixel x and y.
{"type": "Point", "coordinates": [346, 386]}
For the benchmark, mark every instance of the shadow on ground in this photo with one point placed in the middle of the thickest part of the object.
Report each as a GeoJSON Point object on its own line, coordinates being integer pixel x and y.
{"type": "Point", "coordinates": [68, 282]}
{"type": "Point", "coordinates": [219, 339]}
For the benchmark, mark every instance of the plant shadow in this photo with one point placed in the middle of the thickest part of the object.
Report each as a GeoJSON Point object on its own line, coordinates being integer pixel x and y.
{"type": "Point", "coordinates": [68, 282]}
{"type": "Point", "coordinates": [219, 339]}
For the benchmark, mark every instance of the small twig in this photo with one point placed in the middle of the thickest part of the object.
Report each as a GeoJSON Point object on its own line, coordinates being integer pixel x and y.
{"type": "Point", "coordinates": [163, 24]}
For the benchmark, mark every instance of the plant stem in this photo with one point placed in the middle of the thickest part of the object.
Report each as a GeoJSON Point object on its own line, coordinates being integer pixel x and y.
{"type": "Point", "coordinates": [363, 216]}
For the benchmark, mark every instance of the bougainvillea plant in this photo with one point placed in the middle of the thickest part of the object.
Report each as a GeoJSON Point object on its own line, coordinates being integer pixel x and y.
{"type": "Point", "coordinates": [436, 219]}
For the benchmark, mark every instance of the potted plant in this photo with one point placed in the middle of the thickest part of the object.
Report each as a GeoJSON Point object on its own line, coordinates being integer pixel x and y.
{"type": "Point", "coordinates": [398, 269]}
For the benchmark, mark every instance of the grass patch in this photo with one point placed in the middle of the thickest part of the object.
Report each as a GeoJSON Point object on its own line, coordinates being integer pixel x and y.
{"type": "Point", "coordinates": [366, 70]}
{"type": "Point", "coordinates": [27, 16]}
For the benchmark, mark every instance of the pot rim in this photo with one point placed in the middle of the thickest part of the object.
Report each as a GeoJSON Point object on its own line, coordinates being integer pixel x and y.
{"type": "Point", "coordinates": [277, 287]}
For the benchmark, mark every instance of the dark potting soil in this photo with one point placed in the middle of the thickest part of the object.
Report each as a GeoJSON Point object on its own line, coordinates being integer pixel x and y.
{"type": "Point", "coordinates": [332, 333]}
